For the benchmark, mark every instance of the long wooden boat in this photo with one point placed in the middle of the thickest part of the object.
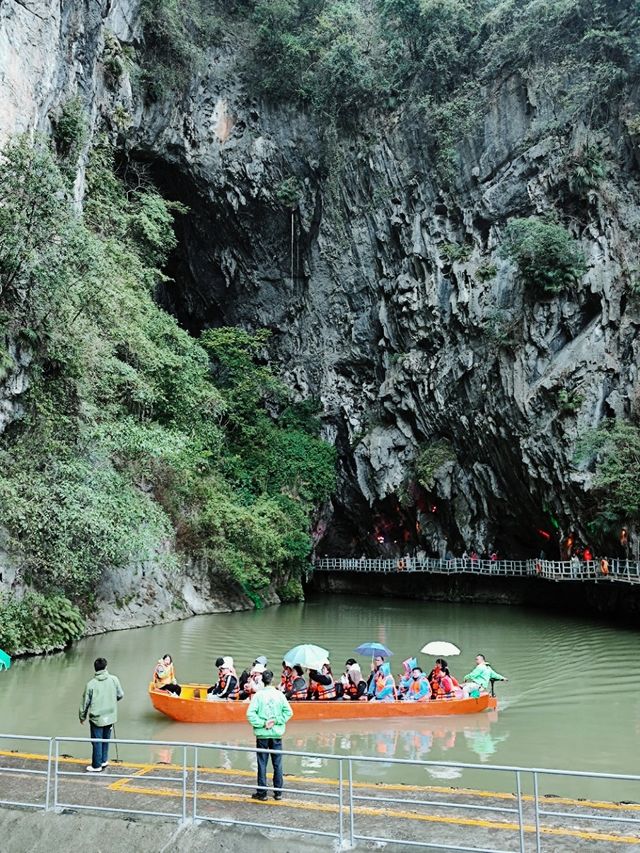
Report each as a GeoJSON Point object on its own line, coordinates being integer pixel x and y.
{"type": "Point", "coordinates": [192, 706]}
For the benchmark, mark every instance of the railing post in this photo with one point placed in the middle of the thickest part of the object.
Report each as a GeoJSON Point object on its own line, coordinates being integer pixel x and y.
{"type": "Point", "coordinates": [184, 784]}
{"type": "Point", "coordinates": [55, 775]}
{"type": "Point", "coordinates": [340, 807]}
{"type": "Point", "coordinates": [352, 831]}
{"type": "Point", "coordinates": [195, 784]}
{"type": "Point", "coordinates": [536, 810]}
{"type": "Point", "coordinates": [46, 793]}
{"type": "Point", "coordinates": [520, 815]}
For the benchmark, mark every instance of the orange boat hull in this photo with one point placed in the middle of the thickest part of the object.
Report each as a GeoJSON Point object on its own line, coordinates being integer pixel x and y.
{"type": "Point", "coordinates": [192, 707]}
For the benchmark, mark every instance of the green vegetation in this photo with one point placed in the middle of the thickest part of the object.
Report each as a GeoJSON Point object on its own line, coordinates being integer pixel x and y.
{"type": "Point", "coordinates": [135, 434]}
{"type": "Point", "coordinates": [175, 35]}
{"type": "Point", "coordinates": [547, 257]}
{"type": "Point", "coordinates": [569, 402]}
{"type": "Point", "coordinates": [456, 252]}
{"type": "Point", "coordinates": [323, 54]}
{"type": "Point", "coordinates": [115, 58]}
{"type": "Point", "coordinates": [614, 451]}
{"type": "Point", "coordinates": [502, 328]}
{"type": "Point", "coordinates": [289, 192]}
{"type": "Point", "coordinates": [35, 622]}
{"type": "Point", "coordinates": [431, 460]}
{"type": "Point", "coordinates": [70, 129]}
{"type": "Point", "coordinates": [586, 171]}
{"type": "Point", "coordinates": [486, 272]}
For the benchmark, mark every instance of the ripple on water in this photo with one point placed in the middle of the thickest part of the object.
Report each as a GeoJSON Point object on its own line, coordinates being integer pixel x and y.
{"type": "Point", "coordinates": [547, 715]}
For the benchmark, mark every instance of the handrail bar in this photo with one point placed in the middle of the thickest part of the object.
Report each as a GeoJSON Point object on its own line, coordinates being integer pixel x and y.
{"type": "Point", "coordinates": [368, 758]}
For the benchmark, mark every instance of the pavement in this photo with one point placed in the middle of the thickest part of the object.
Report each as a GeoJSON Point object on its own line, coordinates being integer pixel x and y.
{"type": "Point", "coordinates": [139, 806]}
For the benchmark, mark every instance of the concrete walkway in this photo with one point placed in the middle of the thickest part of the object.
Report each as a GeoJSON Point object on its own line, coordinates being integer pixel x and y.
{"type": "Point", "coordinates": [226, 815]}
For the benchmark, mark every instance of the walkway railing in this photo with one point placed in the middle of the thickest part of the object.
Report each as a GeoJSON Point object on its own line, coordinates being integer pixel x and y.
{"type": "Point", "coordinates": [627, 571]}
{"type": "Point", "coordinates": [199, 789]}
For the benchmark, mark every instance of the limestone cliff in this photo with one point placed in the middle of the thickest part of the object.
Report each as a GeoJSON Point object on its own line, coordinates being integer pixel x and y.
{"type": "Point", "coordinates": [386, 293]}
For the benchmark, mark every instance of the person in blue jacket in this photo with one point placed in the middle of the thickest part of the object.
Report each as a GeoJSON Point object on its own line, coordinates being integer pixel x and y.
{"type": "Point", "coordinates": [384, 685]}
{"type": "Point", "coordinates": [419, 687]}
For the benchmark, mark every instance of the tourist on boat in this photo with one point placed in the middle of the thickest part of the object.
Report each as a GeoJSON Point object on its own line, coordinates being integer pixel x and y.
{"type": "Point", "coordinates": [321, 684]}
{"type": "Point", "coordinates": [448, 685]}
{"type": "Point", "coordinates": [480, 678]}
{"type": "Point", "coordinates": [435, 676]}
{"type": "Point", "coordinates": [353, 683]}
{"type": "Point", "coordinates": [286, 678]}
{"type": "Point", "coordinates": [384, 686]}
{"type": "Point", "coordinates": [164, 676]}
{"type": "Point", "coordinates": [268, 713]}
{"type": "Point", "coordinates": [226, 687]}
{"type": "Point", "coordinates": [419, 688]}
{"type": "Point", "coordinates": [255, 682]}
{"type": "Point", "coordinates": [245, 675]}
{"type": "Point", "coordinates": [298, 690]}
{"type": "Point", "coordinates": [378, 661]}
{"type": "Point", "coordinates": [404, 680]}
{"type": "Point", "coordinates": [100, 703]}
{"type": "Point", "coordinates": [443, 684]}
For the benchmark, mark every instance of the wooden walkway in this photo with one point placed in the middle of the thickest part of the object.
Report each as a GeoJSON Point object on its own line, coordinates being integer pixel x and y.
{"type": "Point", "coordinates": [615, 570]}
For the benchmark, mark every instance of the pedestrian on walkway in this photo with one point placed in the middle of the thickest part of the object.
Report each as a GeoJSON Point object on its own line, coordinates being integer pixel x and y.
{"type": "Point", "coordinates": [100, 703]}
{"type": "Point", "coordinates": [268, 713]}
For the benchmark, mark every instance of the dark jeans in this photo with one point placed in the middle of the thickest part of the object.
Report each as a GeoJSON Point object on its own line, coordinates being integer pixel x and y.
{"type": "Point", "coordinates": [263, 761]}
{"type": "Point", "coordinates": [172, 688]}
{"type": "Point", "coordinates": [100, 750]}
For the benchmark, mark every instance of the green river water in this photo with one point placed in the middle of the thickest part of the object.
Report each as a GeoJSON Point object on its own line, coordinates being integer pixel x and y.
{"type": "Point", "coordinates": [572, 700]}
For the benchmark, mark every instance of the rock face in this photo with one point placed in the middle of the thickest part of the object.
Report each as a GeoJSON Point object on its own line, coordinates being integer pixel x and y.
{"type": "Point", "coordinates": [386, 295]}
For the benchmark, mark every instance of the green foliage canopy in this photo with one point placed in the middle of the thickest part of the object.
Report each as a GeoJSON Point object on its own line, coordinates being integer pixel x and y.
{"type": "Point", "coordinates": [134, 433]}
{"type": "Point", "coordinates": [548, 259]}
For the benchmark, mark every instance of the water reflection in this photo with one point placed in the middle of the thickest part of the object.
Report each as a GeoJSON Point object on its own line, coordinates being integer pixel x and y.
{"type": "Point", "coordinates": [541, 720]}
{"type": "Point", "coordinates": [430, 739]}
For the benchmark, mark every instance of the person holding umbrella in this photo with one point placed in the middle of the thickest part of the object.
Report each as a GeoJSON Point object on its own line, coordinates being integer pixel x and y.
{"type": "Point", "coordinates": [378, 653]}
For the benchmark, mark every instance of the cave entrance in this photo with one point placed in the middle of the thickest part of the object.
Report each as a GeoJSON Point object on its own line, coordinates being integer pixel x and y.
{"type": "Point", "coordinates": [427, 527]}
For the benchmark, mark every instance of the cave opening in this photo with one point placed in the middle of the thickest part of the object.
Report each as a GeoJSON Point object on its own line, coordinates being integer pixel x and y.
{"type": "Point", "coordinates": [224, 262]}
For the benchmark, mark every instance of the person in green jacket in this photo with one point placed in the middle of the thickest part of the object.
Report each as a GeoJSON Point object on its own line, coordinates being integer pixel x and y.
{"type": "Point", "coordinates": [268, 713]}
{"type": "Point", "coordinates": [100, 703]}
{"type": "Point", "coordinates": [480, 678]}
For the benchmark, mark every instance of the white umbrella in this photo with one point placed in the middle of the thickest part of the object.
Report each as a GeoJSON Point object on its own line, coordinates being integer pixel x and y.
{"type": "Point", "coordinates": [307, 655]}
{"type": "Point", "coordinates": [440, 647]}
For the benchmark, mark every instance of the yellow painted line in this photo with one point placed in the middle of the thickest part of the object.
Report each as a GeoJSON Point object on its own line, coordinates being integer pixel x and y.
{"type": "Point", "coordinates": [376, 786]}
{"type": "Point", "coordinates": [121, 784]}
{"type": "Point", "coordinates": [477, 823]}
{"type": "Point", "coordinates": [130, 765]}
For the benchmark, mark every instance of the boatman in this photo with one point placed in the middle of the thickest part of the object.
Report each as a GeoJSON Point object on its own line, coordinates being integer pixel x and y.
{"type": "Point", "coordinates": [100, 702]}
{"type": "Point", "coordinates": [480, 677]}
{"type": "Point", "coordinates": [268, 713]}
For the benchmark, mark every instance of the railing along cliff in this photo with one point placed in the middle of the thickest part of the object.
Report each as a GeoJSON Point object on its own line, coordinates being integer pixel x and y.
{"type": "Point", "coordinates": [626, 571]}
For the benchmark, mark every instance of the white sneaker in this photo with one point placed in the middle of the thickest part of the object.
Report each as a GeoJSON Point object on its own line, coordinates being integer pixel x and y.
{"type": "Point", "coordinates": [92, 769]}
{"type": "Point", "coordinates": [105, 763]}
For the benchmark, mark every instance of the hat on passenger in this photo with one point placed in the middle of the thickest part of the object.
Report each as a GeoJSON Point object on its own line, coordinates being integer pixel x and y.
{"type": "Point", "coordinates": [262, 659]}
{"type": "Point", "coordinates": [258, 667]}
{"type": "Point", "coordinates": [227, 663]}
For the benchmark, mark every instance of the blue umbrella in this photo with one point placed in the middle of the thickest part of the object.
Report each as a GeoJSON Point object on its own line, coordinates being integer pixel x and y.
{"type": "Point", "coordinates": [374, 649]}
{"type": "Point", "coordinates": [5, 660]}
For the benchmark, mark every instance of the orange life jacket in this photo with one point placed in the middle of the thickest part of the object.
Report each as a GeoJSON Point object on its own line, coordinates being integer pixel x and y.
{"type": "Point", "coordinates": [381, 683]}
{"type": "Point", "coordinates": [286, 681]}
{"type": "Point", "coordinates": [325, 691]}
{"type": "Point", "coordinates": [163, 675]}
{"type": "Point", "coordinates": [298, 695]}
{"type": "Point", "coordinates": [351, 689]}
{"type": "Point", "coordinates": [234, 693]}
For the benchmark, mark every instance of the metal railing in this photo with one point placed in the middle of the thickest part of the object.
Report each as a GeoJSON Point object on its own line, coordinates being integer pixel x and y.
{"type": "Point", "coordinates": [346, 800]}
{"type": "Point", "coordinates": [627, 571]}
